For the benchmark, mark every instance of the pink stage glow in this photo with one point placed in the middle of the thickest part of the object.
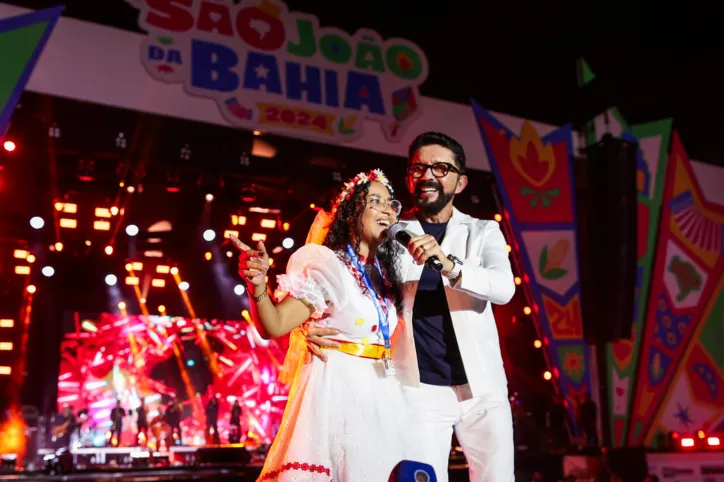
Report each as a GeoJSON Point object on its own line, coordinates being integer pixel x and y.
{"type": "Point", "coordinates": [136, 357]}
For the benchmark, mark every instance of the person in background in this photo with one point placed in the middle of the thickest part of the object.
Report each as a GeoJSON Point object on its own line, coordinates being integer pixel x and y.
{"type": "Point", "coordinates": [142, 423]}
{"type": "Point", "coordinates": [212, 421]}
{"type": "Point", "coordinates": [235, 423]}
{"type": "Point", "coordinates": [447, 349]}
{"type": "Point", "coordinates": [173, 419]}
{"type": "Point", "coordinates": [589, 419]}
{"type": "Point", "coordinates": [64, 424]}
{"type": "Point", "coordinates": [347, 419]}
{"type": "Point", "coordinates": [117, 415]}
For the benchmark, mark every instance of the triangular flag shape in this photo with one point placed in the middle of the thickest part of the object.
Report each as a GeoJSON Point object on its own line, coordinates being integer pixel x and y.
{"type": "Point", "coordinates": [587, 74]}
{"type": "Point", "coordinates": [22, 39]}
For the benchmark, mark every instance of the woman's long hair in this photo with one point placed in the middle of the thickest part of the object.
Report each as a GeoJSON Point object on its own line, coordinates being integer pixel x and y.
{"type": "Point", "coordinates": [346, 228]}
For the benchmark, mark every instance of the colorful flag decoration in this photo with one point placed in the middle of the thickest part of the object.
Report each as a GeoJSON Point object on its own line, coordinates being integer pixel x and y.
{"type": "Point", "coordinates": [22, 39]}
{"type": "Point", "coordinates": [536, 182]}
{"type": "Point", "coordinates": [687, 271]}
{"type": "Point", "coordinates": [653, 146]}
{"type": "Point", "coordinates": [696, 400]}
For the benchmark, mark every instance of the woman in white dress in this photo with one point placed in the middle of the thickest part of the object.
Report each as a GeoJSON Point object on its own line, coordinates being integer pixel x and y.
{"type": "Point", "coordinates": [346, 420]}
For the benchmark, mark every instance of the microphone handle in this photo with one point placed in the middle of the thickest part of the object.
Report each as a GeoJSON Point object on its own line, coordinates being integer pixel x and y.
{"type": "Point", "coordinates": [434, 263]}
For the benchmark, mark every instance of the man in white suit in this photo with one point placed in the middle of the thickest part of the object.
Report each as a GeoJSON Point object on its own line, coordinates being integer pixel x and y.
{"type": "Point", "coordinates": [446, 349]}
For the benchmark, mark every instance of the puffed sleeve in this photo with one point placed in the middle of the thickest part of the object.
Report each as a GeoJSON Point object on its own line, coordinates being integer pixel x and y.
{"type": "Point", "coordinates": [315, 275]}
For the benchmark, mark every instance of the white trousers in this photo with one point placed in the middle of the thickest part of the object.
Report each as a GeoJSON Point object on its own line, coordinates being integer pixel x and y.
{"type": "Point", "coordinates": [483, 425]}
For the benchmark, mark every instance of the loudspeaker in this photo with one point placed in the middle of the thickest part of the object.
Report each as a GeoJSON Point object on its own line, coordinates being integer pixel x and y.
{"type": "Point", "coordinates": [223, 455]}
{"type": "Point", "coordinates": [608, 240]}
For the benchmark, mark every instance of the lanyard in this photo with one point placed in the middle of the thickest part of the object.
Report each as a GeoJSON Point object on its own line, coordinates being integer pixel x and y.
{"type": "Point", "coordinates": [381, 316]}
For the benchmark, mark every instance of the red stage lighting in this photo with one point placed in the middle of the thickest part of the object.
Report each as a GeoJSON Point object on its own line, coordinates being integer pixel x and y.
{"type": "Point", "coordinates": [713, 442]}
{"type": "Point", "coordinates": [9, 146]}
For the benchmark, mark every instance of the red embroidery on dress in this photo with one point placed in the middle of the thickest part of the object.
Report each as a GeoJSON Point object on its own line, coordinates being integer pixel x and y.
{"type": "Point", "coordinates": [304, 467]}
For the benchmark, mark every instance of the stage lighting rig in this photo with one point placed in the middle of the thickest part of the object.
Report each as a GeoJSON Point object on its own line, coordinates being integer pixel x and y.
{"type": "Point", "coordinates": [86, 170]}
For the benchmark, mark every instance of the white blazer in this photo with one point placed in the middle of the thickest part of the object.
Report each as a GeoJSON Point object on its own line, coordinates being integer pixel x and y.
{"type": "Point", "coordinates": [486, 278]}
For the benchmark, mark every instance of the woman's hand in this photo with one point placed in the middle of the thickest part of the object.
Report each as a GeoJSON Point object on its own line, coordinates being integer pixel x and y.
{"type": "Point", "coordinates": [253, 264]}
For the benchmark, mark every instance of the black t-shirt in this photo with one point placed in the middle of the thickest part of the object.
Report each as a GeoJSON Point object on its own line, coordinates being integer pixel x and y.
{"type": "Point", "coordinates": [438, 354]}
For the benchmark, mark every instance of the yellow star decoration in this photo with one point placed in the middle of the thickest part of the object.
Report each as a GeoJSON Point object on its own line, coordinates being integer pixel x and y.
{"type": "Point", "coordinates": [360, 321]}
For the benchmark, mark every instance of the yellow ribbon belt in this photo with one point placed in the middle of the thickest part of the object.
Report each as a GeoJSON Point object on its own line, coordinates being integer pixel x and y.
{"type": "Point", "coordinates": [376, 352]}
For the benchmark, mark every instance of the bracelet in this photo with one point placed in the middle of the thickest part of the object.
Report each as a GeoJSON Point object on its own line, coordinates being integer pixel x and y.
{"type": "Point", "coordinates": [257, 299]}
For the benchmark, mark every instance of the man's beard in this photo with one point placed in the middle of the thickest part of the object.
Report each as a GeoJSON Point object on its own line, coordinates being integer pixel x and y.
{"type": "Point", "coordinates": [431, 208]}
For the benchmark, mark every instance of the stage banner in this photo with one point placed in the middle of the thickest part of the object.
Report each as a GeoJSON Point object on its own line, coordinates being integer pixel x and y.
{"type": "Point", "coordinates": [653, 140]}
{"type": "Point", "coordinates": [269, 68]}
{"type": "Point", "coordinates": [22, 39]}
{"type": "Point", "coordinates": [688, 267]}
{"type": "Point", "coordinates": [535, 178]}
{"type": "Point", "coordinates": [696, 399]}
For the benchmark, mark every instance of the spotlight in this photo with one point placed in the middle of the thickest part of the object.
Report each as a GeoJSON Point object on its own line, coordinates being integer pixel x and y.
{"type": "Point", "coordinates": [109, 250]}
{"type": "Point", "coordinates": [517, 280]}
{"type": "Point", "coordinates": [209, 235]}
{"type": "Point", "coordinates": [239, 289]}
{"type": "Point", "coordinates": [30, 259]}
{"type": "Point", "coordinates": [687, 442]}
{"type": "Point", "coordinates": [208, 256]}
{"type": "Point", "coordinates": [161, 309]}
{"type": "Point", "coordinates": [498, 217]}
{"type": "Point", "coordinates": [111, 280]}
{"type": "Point", "coordinates": [31, 289]}
{"type": "Point", "coordinates": [209, 197]}
{"type": "Point", "coordinates": [48, 271]}
{"type": "Point", "coordinates": [547, 375]}
{"type": "Point", "coordinates": [229, 254]}
{"type": "Point", "coordinates": [130, 189]}
{"type": "Point", "coordinates": [122, 305]}
{"type": "Point", "coordinates": [288, 243]}
{"type": "Point", "coordinates": [114, 210]}
{"type": "Point", "coordinates": [174, 271]}
{"type": "Point", "coordinates": [527, 310]}
{"type": "Point", "coordinates": [183, 286]}
{"type": "Point", "coordinates": [713, 442]}
{"type": "Point", "coordinates": [537, 344]}
{"type": "Point", "coordinates": [131, 230]}
{"type": "Point", "coordinates": [9, 146]}
{"type": "Point", "coordinates": [37, 222]}
{"type": "Point", "coordinates": [59, 246]}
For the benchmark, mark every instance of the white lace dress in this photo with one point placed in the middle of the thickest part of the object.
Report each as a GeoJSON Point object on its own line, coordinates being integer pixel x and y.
{"type": "Point", "coordinates": [345, 421]}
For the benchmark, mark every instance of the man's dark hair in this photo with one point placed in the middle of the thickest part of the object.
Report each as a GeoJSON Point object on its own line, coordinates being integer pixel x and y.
{"type": "Point", "coordinates": [439, 139]}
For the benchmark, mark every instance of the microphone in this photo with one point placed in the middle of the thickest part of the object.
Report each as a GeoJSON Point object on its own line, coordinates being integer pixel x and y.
{"type": "Point", "coordinates": [398, 233]}
{"type": "Point", "coordinates": [409, 471]}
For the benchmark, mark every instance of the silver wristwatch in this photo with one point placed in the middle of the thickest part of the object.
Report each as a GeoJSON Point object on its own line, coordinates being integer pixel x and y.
{"type": "Point", "coordinates": [457, 267]}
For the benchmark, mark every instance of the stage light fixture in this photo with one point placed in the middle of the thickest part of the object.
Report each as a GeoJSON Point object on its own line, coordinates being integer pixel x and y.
{"type": "Point", "coordinates": [30, 259]}
{"type": "Point", "coordinates": [131, 230]}
{"type": "Point", "coordinates": [209, 235]}
{"type": "Point", "coordinates": [158, 283]}
{"type": "Point", "coordinates": [687, 442]}
{"type": "Point", "coordinates": [508, 248]}
{"type": "Point", "coordinates": [238, 220]}
{"type": "Point", "coordinates": [161, 309]}
{"type": "Point", "coordinates": [258, 237]}
{"type": "Point", "coordinates": [101, 225]}
{"type": "Point", "coordinates": [183, 286]}
{"type": "Point", "coordinates": [132, 280]}
{"type": "Point", "coordinates": [70, 208]}
{"type": "Point", "coordinates": [114, 210]}
{"type": "Point", "coordinates": [24, 270]}
{"type": "Point", "coordinates": [268, 223]}
{"type": "Point", "coordinates": [9, 146]}
{"type": "Point", "coordinates": [517, 280]}
{"type": "Point", "coordinates": [20, 254]}
{"type": "Point", "coordinates": [87, 242]}
{"type": "Point", "coordinates": [31, 289]}
{"type": "Point", "coordinates": [59, 246]}
{"type": "Point", "coordinates": [48, 271]}
{"type": "Point", "coordinates": [142, 301]}
{"type": "Point", "coordinates": [111, 280]}
{"type": "Point", "coordinates": [174, 271]}
{"type": "Point", "coordinates": [239, 290]}
{"type": "Point", "coordinates": [537, 344]}
{"type": "Point", "coordinates": [130, 189]}
{"type": "Point", "coordinates": [6, 346]}
{"type": "Point", "coordinates": [547, 375]}
{"type": "Point", "coordinates": [277, 250]}
{"type": "Point", "coordinates": [163, 269]}
{"type": "Point", "coordinates": [109, 250]}
{"type": "Point", "coordinates": [229, 232]}
{"type": "Point", "coordinates": [288, 243]}
{"type": "Point", "coordinates": [257, 133]}
{"type": "Point", "coordinates": [5, 370]}
{"type": "Point", "coordinates": [68, 223]}
{"type": "Point", "coordinates": [86, 170]}
{"type": "Point", "coordinates": [209, 197]}
{"type": "Point", "coordinates": [137, 266]}
{"type": "Point", "coordinates": [6, 323]}
{"type": "Point", "coordinates": [713, 442]}
{"type": "Point", "coordinates": [121, 305]}
{"type": "Point", "coordinates": [208, 256]}
{"type": "Point", "coordinates": [103, 213]}
{"type": "Point", "coordinates": [312, 206]}
{"type": "Point", "coordinates": [36, 222]}
{"type": "Point", "coordinates": [286, 226]}
{"type": "Point", "coordinates": [526, 310]}
{"type": "Point", "coordinates": [498, 217]}
{"type": "Point", "coordinates": [229, 254]}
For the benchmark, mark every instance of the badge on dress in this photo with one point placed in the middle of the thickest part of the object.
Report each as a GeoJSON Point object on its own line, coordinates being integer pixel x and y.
{"type": "Point", "coordinates": [389, 367]}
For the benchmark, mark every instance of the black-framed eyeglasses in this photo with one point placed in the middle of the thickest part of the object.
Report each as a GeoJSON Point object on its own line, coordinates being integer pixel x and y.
{"type": "Point", "coordinates": [376, 203]}
{"type": "Point", "coordinates": [439, 169]}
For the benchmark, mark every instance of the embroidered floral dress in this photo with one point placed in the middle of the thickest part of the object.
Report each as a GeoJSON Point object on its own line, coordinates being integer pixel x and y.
{"type": "Point", "coordinates": [345, 421]}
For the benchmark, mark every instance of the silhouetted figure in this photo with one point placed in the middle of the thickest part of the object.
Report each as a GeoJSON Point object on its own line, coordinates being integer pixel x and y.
{"type": "Point", "coordinates": [588, 420]}
{"type": "Point", "coordinates": [173, 419]}
{"type": "Point", "coordinates": [235, 423]}
{"type": "Point", "coordinates": [117, 415]}
{"type": "Point", "coordinates": [141, 423]}
{"type": "Point", "coordinates": [212, 421]}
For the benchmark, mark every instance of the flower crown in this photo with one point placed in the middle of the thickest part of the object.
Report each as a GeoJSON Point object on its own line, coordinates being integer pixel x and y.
{"type": "Point", "coordinates": [361, 178]}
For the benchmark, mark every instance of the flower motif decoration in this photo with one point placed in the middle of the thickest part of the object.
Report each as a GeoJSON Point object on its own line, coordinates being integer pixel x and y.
{"type": "Point", "coordinates": [536, 163]}
{"type": "Point", "coordinates": [361, 178]}
{"type": "Point", "coordinates": [550, 260]}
